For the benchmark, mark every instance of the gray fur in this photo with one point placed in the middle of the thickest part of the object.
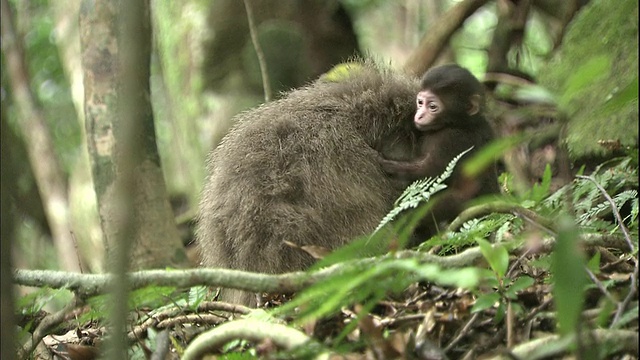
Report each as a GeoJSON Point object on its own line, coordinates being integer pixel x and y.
{"type": "Point", "coordinates": [304, 169]}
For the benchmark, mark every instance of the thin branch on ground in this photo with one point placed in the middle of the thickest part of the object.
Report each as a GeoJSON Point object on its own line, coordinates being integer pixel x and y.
{"type": "Point", "coordinates": [601, 286]}
{"type": "Point", "coordinates": [614, 208]}
{"type": "Point", "coordinates": [202, 319]}
{"type": "Point", "coordinates": [161, 319]}
{"type": "Point", "coordinates": [49, 322]}
{"type": "Point", "coordinates": [633, 286]}
{"type": "Point", "coordinates": [463, 332]}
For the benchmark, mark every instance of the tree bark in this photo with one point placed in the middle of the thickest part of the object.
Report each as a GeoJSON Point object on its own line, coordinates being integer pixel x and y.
{"type": "Point", "coordinates": [83, 215]}
{"type": "Point", "coordinates": [132, 200]}
{"type": "Point", "coordinates": [560, 15]}
{"type": "Point", "coordinates": [137, 222]}
{"type": "Point", "coordinates": [7, 303]}
{"type": "Point", "coordinates": [49, 176]}
{"type": "Point", "coordinates": [508, 33]}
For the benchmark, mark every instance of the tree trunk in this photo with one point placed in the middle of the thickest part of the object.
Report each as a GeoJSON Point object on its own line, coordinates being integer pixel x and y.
{"type": "Point", "coordinates": [438, 37]}
{"type": "Point", "coordinates": [508, 34]}
{"type": "Point", "coordinates": [42, 155]}
{"type": "Point", "coordinates": [7, 303]}
{"type": "Point", "coordinates": [83, 208]}
{"type": "Point", "coordinates": [132, 200]}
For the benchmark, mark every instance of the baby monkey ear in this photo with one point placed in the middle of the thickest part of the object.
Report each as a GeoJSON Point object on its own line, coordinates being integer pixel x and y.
{"type": "Point", "coordinates": [474, 104]}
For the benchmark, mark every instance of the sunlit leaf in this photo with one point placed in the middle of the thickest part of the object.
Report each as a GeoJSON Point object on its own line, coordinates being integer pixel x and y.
{"type": "Point", "coordinates": [497, 256]}
{"type": "Point", "coordinates": [621, 98]}
{"type": "Point", "coordinates": [594, 263]}
{"type": "Point", "coordinates": [534, 94]}
{"type": "Point", "coordinates": [541, 190]}
{"type": "Point", "coordinates": [488, 154]}
{"type": "Point", "coordinates": [593, 69]}
{"type": "Point", "coordinates": [500, 313]}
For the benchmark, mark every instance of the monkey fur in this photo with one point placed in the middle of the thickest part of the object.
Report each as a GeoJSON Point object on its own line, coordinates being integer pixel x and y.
{"type": "Point", "coordinates": [305, 169]}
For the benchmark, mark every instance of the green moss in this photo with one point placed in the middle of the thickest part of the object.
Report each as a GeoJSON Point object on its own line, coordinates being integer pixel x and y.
{"type": "Point", "coordinates": [597, 60]}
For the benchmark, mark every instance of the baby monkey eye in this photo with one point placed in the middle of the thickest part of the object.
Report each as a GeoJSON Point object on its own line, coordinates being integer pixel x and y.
{"type": "Point", "coordinates": [420, 102]}
{"type": "Point", "coordinates": [433, 107]}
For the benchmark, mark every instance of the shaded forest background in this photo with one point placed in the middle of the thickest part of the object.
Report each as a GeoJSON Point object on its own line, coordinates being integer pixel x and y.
{"type": "Point", "coordinates": [566, 71]}
{"type": "Point", "coordinates": [204, 70]}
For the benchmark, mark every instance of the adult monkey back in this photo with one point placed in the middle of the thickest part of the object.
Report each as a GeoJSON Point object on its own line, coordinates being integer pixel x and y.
{"type": "Point", "coordinates": [304, 169]}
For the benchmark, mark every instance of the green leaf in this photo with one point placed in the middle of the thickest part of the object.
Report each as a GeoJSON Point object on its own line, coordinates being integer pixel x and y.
{"type": "Point", "coordinates": [592, 70]}
{"type": "Point", "coordinates": [569, 276]}
{"type": "Point", "coordinates": [493, 281]}
{"type": "Point", "coordinates": [527, 204]}
{"type": "Point", "coordinates": [365, 246]}
{"type": "Point", "coordinates": [196, 295]}
{"type": "Point", "coordinates": [620, 99]}
{"type": "Point", "coordinates": [500, 313]}
{"type": "Point", "coordinates": [488, 154]}
{"type": "Point", "coordinates": [497, 256]}
{"type": "Point", "coordinates": [594, 263]}
{"type": "Point", "coordinates": [465, 278]}
{"type": "Point", "coordinates": [534, 94]}
{"type": "Point", "coordinates": [541, 190]}
{"type": "Point", "coordinates": [520, 284]}
{"type": "Point", "coordinates": [485, 301]}
{"type": "Point", "coordinates": [152, 296]}
{"type": "Point", "coordinates": [604, 314]}
{"type": "Point", "coordinates": [629, 316]}
{"type": "Point", "coordinates": [420, 192]}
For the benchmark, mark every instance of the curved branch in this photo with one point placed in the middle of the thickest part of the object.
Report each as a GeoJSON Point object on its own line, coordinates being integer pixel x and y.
{"type": "Point", "coordinates": [501, 207]}
{"type": "Point", "coordinates": [48, 323]}
{"type": "Point", "coordinates": [438, 35]}
{"type": "Point", "coordinates": [247, 329]}
{"type": "Point", "coordinates": [160, 319]}
{"type": "Point", "coordinates": [617, 340]}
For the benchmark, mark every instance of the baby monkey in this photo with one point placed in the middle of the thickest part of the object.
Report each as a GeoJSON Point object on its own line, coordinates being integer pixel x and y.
{"type": "Point", "coordinates": [449, 120]}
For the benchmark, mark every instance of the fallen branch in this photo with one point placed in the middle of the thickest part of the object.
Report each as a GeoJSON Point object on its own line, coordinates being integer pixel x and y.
{"type": "Point", "coordinates": [87, 285]}
{"type": "Point", "coordinates": [49, 322]}
{"type": "Point", "coordinates": [554, 345]}
{"type": "Point", "coordinates": [164, 318]}
{"type": "Point", "coordinates": [247, 329]}
{"type": "Point", "coordinates": [502, 207]}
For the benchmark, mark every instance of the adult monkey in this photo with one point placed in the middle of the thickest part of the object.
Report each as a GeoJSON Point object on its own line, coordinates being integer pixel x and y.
{"type": "Point", "coordinates": [305, 169]}
{"type": "Point", "coordinates": [450, 119]}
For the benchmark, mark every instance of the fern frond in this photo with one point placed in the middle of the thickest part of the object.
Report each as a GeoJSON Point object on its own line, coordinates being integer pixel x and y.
{"type": "Point", "coordinates": [420, 191]}
{"type": "Point", "coordinates": [619, 199]}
